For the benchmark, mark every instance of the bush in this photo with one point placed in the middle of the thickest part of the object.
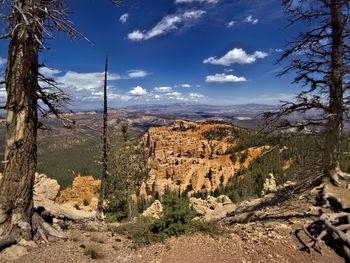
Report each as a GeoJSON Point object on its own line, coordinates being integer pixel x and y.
{"type": "Point", "coordinates": [139, 231]}
{"type": "Point", "coordinates": [177, 216]}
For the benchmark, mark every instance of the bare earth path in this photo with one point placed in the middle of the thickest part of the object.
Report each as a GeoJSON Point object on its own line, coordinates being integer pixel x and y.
{"type": "Point", "coordinates": [273, 241]}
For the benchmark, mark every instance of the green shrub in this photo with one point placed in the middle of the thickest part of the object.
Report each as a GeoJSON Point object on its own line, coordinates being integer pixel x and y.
{"type": "Point", "coordinates": [139, 231]}
{"type": "Point", "coordinates": [177, 216]}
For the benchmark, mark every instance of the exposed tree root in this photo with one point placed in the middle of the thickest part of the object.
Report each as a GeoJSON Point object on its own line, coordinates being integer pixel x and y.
{"type": "Point", "coordinates": [39, 227]}
{"type": "Point", "coordinates": [44, 229]}
{"type": "Point", "coordinates": [337, 174]}
{"type": "Point", "coordinates": [6, 241]}
{"type": "Point", "coordinates": [337, 223]}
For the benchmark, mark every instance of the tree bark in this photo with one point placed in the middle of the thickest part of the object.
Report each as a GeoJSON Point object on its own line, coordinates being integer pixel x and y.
{"type": "Point", "coordinates": [16, 202]}
{"type": "Point", "coordinates": [128, 199]}
{"type": "Point", "coordinates": [336, 107]}
{"type": "Point", "coordinates": [105, 157]}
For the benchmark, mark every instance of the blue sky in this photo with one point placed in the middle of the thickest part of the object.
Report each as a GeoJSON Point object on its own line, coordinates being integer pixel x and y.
{"type": "Point", "coordinates": [171, 51]}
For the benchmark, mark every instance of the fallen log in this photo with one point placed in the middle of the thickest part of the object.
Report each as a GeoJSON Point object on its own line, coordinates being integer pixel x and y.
{"type": "Point", "coordinates": [282, 194]}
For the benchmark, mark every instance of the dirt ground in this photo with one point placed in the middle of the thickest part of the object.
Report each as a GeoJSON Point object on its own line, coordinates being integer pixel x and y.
{"type": "Point", "coordinates": [272, 241]}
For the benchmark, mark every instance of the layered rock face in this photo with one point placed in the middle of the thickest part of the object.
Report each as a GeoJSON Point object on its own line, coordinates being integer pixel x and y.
{"type": "Point", "coordinates": [182, 159]}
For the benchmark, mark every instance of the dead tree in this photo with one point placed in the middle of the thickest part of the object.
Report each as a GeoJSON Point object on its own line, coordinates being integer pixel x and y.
{"type": "Point", "coordinates": [105, 157]}
{"type": "Point", "coordinates": [319, 58]}
{"type": "Point", "coordinates": [29, 22]}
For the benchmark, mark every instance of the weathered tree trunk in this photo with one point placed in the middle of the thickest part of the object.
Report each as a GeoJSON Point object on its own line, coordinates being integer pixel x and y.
{"type": "Point", "coordinates": [128, 199]}
{"type": "Point", "coordinates": [336, 107]}
{"type": "Point", "coordinates": [16, 202]}
{"type": "Point", "coordinates": [105, 158]}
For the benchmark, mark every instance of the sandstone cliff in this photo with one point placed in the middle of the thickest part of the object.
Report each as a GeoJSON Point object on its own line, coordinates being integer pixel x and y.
{"type": "Point", "coordinates": [182, 159]}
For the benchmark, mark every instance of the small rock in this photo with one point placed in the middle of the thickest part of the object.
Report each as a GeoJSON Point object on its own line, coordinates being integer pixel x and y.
{"type": "Point", "coordinates": [154, 210]}
{"type": "Point", "coordinates": [12, 253]}
{"type": "Point", "coordinates": [269, 185]}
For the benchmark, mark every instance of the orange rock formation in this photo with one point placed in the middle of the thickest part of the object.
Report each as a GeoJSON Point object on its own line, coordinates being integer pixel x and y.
{"type": "Point", "coordinates": [84, 192]}
{"type": "Point", "coordinates": [181, 158]}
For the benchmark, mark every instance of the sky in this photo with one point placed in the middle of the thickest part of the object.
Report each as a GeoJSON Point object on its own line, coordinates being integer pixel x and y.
{"type": "Point", "coordinates": [216, 52]}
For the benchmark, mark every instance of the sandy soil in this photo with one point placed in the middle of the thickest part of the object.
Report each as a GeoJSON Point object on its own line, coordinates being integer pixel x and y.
{"type": "Point", "coordinates": [272, 241]}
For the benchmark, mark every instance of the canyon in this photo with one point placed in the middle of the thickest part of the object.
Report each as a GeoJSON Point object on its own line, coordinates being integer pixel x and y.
{"type": "Point", "coordinates": [182, 159]}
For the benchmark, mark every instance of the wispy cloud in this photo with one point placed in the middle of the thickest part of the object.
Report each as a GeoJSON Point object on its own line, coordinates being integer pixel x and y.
{"type": "Point", "coordinates": [137, 73]}
{"type": "Point", "coordinates": [236, 55]}
{"type": "Point", "coordinates": [221, 78]}
{"type": "Point", "coordinates": [163, 89]}
{"type": "Point", "coordinates": [3, 61]}
{"type": "Point", "coordinates": [124, 18]}
{"type": "Point", "coordinates": [167, 24]}
{"type": "Point", "coordinates": [185, 85]}
{"type": "Point", "coordinates": [49, 72]}
{"type": "Point", "coordinates": [250, 19]}
{"type": "Point", "coordinates": [231, 24]}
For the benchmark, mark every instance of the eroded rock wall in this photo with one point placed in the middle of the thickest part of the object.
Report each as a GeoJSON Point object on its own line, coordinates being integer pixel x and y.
{"type": "Point", "coordinates": [182, 159]}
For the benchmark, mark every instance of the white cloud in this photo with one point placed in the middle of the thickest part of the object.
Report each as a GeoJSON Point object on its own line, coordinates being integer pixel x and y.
{"type": "Point", "coordinates": [49, 72]}
{"type": "Point", "coordinates": [236, 55]}
{"type": "Point", "coordinates": [162, 89]}
{"type": "Point", "coordinates": [250, 19]}
{"type": "Point", "coordinates": [198, 86]}
{"type": "Point", "coordinates": [175, 93]}
{"type": "Point", "coordinates": [224, 78]}
{"type": "Point", "coordinates": [231, 24]}
{"type": "Point", "coordinates": [200, 1]}
{"type": "Point", "coordinates": [196, 95]}
{"type": "Point", "coordinates": [278, 50]}
{"type": "Point", "coordinates": [137, 91]}
{"type": "Point", "coordinates": [228, 70]}
{"type": "Point", "coordinates": [3, 61]}
{"type": "Point", "coordinates": [2, 95]}
{"type": "Point", "coordinates": [136, 35]}
{"type": "Point", "coordinates": [167, 24]}
{"type": "Point", "coordinates": [185, 85]}
{"type": "Point", "coordinates": [137, 73]}
{"type": "Point", "coordinates": [124, 18]}
{"type": "Point", "coordinates": [84, 81]}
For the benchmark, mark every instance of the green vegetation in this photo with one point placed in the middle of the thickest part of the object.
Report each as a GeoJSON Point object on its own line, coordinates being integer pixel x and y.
{"type": "Point", "coordinates": [216, 134]}
{"type": "Point", "coordinates": [177, 216]}
{"type": "Point", "coordinates": [126, 170]}
{"type": "Point", "coordinates": [285, 148]}
{"type": "Point", "coordinates": [176, 220]}
{"type": "Point", "coordinates": [64, 164]}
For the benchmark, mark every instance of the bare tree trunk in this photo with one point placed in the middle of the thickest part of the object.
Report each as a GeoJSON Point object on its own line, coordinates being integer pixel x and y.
{"type": "Point", "coordinates": [105, 158]}
{"type": "Point", "coordinates": [16, 202]}
{"type": "Point", "coordinates": [128, 199]}
{"type": "Point", "coordinates": [335, 122]}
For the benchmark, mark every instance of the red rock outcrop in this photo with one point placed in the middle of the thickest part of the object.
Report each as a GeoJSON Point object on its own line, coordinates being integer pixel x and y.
{"type": "Point", "coordinates": [182, 159]}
